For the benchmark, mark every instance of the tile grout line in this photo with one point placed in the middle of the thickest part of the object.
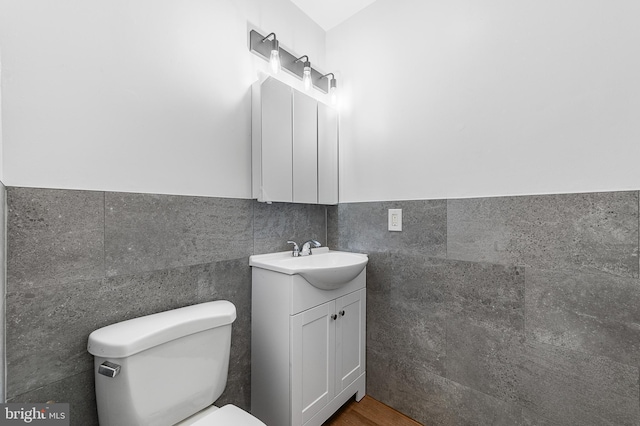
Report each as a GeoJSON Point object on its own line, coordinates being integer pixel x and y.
{"type": "Point", "coordinates": [447, 296]}
{"type": "Point", "coordinates": [524, 306]}
{"type": "Point", "coordinates": [326, 226]}
{"type": "Point", "coordinates": [446, 231]}
{"type": "Point", "coordinates": [104, 234]}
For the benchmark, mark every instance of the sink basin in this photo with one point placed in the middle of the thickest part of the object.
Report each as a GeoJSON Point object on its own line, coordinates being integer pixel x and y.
{"type": "Point", "coordinates": [325, 269]}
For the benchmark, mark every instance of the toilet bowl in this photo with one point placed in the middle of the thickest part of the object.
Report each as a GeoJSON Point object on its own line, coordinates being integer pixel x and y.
{"type": "Point", "coordinates": [166, 369]}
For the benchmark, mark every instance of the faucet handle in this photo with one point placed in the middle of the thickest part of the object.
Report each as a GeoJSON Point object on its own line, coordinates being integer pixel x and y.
{"type": "Point", "coordinates": [296, 249]}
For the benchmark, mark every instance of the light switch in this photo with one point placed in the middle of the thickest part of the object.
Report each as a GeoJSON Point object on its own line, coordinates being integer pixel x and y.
{"type": "Point", "coordinates": [395, 219]}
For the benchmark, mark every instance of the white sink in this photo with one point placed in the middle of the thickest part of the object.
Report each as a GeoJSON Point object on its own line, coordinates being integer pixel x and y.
{"type": "Point", "coordinates": [325, 269]}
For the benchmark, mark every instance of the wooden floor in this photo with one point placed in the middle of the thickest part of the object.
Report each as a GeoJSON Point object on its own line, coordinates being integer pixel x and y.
{"type": "Point", "coordinates": [368, 412]}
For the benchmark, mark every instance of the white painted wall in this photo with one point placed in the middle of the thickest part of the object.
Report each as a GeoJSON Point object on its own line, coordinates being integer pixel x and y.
{"type": "Point", "coordinates": [440, 98]}
{"type": "Point", "coordinates": [141, 96]}
{"type": "Point", "coordinates": [467, 98]}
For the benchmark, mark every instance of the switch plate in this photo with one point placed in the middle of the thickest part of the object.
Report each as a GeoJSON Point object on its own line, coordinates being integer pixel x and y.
{"type": "Point", "coordinates": [395, 219]}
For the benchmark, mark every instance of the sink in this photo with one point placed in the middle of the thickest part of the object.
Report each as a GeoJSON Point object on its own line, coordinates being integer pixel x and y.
{"type": "Point", "coordinates": [325, 269]}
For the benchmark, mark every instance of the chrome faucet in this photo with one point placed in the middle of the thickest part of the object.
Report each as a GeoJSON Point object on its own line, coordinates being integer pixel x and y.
{"type": "Point", "coordinates": [306, 247]}
{"type": "Point", "coordinates": [296, 249]}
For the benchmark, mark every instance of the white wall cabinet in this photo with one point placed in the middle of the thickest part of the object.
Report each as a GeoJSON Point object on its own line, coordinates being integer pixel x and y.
{"type": "Point", "coordinates": [308, 348]}
{"type": "Point", "coordinates": [294, 146]}
{"type": "Point", "coordinates": [305, 149]}
{"type": "Point", "coordinates": [274, 152]}
{"type": "Point", "coordinates": [327, 155]}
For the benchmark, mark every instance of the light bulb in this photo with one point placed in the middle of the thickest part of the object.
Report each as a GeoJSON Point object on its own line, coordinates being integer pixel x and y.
{"type": "Point", "coordinates": [333, 91]}
{"type": "Point", "coordinates": [306, 76]}
{"type": "Point", "coordinates": [274, 59]}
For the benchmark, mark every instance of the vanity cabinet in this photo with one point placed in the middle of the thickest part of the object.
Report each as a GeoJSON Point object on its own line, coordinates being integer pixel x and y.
{"type": "Point", "coordinates": [327, 353]}
{"type": "Point", "coordinates": [294, 146]}
{"type": "Point", "coordinates": [308, 348]}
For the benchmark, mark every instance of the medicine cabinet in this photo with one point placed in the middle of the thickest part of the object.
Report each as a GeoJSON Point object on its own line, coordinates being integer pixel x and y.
{"type": "Point", "coordinates": [294, 146]}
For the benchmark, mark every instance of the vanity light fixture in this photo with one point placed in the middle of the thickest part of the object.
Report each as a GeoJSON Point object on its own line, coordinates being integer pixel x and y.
{"type": "Point", "coordinates": [306, 72]}
{"type": "Point", "coordinates": [293, 64]}
{"type": "Point", "coordinates": [333, 88]}
{"type": "Point", "coordinates": [274, 56]}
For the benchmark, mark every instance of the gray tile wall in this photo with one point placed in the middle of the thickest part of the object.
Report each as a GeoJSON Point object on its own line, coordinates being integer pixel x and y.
{"type": "Point", "coordinates": [502, 311]}
{"type": "Point", "coordinates": [3, 257]}
{"type": "Point", "coordinates": [80, 260]}
{"type": "Point", "coordinates": [494, 311]}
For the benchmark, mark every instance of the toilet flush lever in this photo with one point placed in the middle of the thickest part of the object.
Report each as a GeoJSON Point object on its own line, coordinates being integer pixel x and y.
{"type": "Point", "coordinates": [109, 369]}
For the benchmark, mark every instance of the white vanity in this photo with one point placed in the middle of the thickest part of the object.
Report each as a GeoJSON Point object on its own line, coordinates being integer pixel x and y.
{"type": "Point", "coordinates": [307, 340]}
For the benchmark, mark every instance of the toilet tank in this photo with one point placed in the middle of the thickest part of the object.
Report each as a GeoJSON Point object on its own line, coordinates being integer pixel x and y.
{"type": "Point", "coordinates": [171, 364]}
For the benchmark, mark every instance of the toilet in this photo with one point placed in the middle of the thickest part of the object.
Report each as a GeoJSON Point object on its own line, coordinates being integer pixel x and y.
{"type": "Point", "coordinates": [167, 369]}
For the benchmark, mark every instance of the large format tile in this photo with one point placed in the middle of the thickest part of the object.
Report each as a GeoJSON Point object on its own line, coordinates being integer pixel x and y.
{"type": "Point", "coordinates": [593, 232]}
{"type": "Point", "coordinates": [3, 253]}
{"type": "Point", "coordinates": [405, 310]}
{"type": "Point", "coordinates": [432, 399]}
{"type": "Point", "coordinates": [148, 232]}
{"type": "Point", "coordinates": [77, 390]}
{"type": "Point", "coordinates": [49, 327]}
{"type": "Point", "coordinates": [411, 298]}
{"type": "Point", "coordinates": [232, 282]}
{"type": "Point", "coordinates": [363, 227]}
{"type": "Point", "coordinates": [54, 237]}
{"type": "Point", "coordinates": [157, 291]}
{"type": "Point", "coordinates": [563, 386]}
{"type": "Point", "coordinates": [412, 279]}
{"type": "Point", "coordinates": [484, 359]}
{"type": "Point", "coordinates": [277, 223]}
{"type": "Point", "coordinates": [46, 333]}
{"type": "Point", "coordinates": [3, 284]}
{"type": "Point", "coordinates": [532, 419]}
{"type": "Point", "coordinates": [572, 388]}
{"type": "Point", "coordinates": [409, 334]}
{"type": "Point", "coordinates": [488, 295]}
{"type": "Point", "coordinates": [592, 313]}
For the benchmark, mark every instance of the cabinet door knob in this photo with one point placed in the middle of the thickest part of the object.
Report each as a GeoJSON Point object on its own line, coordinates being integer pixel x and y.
{"type": "Point", "coordinates": [342, 313]}
{"type": "Point", "coordinates": [334, 317]}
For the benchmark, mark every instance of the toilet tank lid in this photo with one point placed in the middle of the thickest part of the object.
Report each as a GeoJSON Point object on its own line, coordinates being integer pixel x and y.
{"type": "Point", "coordinates": [135, 335]}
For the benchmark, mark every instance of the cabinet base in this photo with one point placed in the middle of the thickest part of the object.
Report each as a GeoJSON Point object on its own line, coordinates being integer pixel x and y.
{"type": "Point", "coordinates": [356, 388]}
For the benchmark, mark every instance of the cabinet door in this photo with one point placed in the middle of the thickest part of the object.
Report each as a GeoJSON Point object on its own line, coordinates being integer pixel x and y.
{"type": "Point", "coordinates": [305, 149]}
{"type": "Point", "coordinates": [350, 338]}
{"type": "Point", "coordinates": [327, 155]}
{"type": "Point", "coordinates": [312, 361]}
{"type": "Point", "coordinates": [277, 142]}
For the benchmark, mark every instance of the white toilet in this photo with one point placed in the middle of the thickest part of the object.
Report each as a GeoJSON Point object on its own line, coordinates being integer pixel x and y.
{"type": "Point", "coordinates": [167, 369]}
